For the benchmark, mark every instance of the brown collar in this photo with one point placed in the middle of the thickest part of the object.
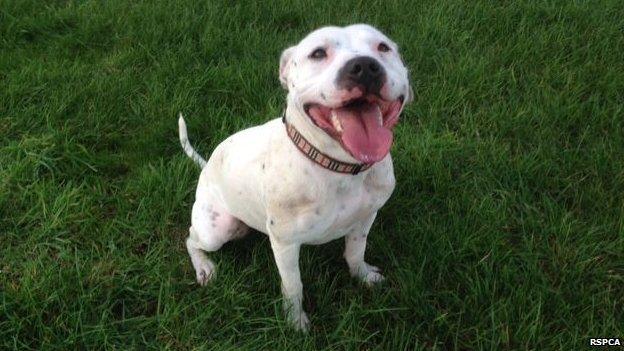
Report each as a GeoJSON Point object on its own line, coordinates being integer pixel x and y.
{"type": "Point", "coordinates": [320, 158]}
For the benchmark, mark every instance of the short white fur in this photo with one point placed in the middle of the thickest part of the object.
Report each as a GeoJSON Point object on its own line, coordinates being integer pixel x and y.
{"type": "Point", "coordinates": [257, 178]}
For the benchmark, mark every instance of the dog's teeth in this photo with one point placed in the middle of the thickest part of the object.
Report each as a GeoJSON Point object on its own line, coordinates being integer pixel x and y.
{"type": "Point", "coordinates": [336, 122]}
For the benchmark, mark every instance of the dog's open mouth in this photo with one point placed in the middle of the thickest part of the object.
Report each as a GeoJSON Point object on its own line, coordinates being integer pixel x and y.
{"type": "Point", "coordinates": [363, 126]}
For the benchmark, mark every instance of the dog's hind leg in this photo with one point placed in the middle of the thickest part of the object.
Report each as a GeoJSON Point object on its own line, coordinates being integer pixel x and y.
{"type": "Point", "coordinates": [212, 226]}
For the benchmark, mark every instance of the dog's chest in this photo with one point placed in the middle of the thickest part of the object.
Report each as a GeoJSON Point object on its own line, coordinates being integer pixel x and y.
{"type": "Point", "coordinates": [307, 204]}
{"type": "Point", "coordinates": [346, 208]}
{"type": "Point", "coordinates": [354, 204]}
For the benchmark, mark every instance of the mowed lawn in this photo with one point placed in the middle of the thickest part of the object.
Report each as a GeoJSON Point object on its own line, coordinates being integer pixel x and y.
{"type": "Point", "coordinates": [505, 231]}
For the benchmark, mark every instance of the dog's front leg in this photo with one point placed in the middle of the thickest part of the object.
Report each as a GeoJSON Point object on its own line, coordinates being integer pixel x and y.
{"type": "Point", "coordinates": [355, 245]}
{"type": "Point", "coordinates": [287, 260]}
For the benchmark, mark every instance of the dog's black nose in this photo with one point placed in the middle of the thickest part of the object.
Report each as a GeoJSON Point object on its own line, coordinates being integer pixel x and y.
{"type": "Point", "coordinates": [362, 71]}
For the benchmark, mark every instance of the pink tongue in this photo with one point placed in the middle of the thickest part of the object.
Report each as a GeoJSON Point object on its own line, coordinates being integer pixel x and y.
{"type": "Point", "coordinates": [363, 136]}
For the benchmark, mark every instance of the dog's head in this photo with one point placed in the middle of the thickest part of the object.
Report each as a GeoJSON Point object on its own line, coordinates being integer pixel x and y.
{"type": "Point", "coordinates": [351, 83]}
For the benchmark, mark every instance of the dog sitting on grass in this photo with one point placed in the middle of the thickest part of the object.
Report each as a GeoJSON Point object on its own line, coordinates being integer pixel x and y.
{"type": "Point", "coordinates": [318, 173]}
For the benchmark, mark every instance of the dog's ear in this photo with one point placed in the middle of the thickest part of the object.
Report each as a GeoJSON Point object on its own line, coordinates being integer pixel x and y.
{"type": "Point", "coordinates": [285, 65]}
{"type": "Point", "coordinates": [410, 95]}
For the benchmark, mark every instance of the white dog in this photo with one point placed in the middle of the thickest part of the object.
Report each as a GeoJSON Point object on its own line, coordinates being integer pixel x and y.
{"type": "Point", "coordinates": [320, 172]}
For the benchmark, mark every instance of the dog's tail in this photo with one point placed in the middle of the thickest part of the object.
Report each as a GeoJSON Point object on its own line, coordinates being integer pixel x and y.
{"type": "Point", "coordinates": [188, 149]}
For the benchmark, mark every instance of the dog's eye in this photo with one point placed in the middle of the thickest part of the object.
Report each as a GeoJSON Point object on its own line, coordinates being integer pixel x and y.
{"type": "Point", "coordinates": [383, 47]}
{"type": "Point", "coordinates": [318, 54]}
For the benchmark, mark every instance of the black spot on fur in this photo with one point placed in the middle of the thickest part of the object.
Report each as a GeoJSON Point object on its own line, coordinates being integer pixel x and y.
{"type": "Point", "coordinates": [271, 222]}
{"type": "Point", "coordinates": [323, 96]}
{"type": "Point", "coordinates": [263, 166]}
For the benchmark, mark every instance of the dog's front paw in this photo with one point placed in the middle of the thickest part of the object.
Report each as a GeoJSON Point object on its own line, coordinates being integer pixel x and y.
{"type": "Point", "coordinates": [204, 272]}
{"type": "Point", "coordinates": [373, 278]}
{"type": "Point", "coordinates": [295, 315]}
{"type": "Point", "coordinates": [368, 274]}
{"type": "Point", "coordinates": [299, 321]}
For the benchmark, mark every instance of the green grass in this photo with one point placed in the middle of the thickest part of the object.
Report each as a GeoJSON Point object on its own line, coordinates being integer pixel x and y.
{"type": "Point", "coordinates": [506, 230]}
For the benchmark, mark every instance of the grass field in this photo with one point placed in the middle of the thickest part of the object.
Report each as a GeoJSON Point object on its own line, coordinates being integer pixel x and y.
{"type": "Point", "coordinates": [506, 230]}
